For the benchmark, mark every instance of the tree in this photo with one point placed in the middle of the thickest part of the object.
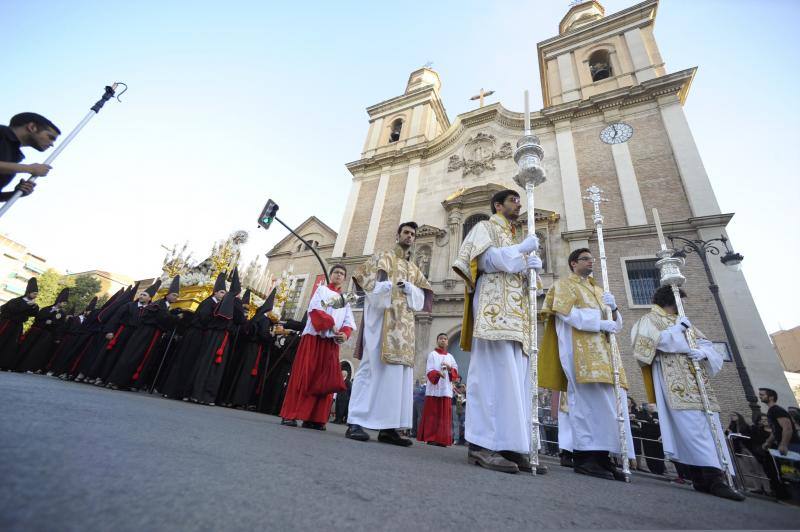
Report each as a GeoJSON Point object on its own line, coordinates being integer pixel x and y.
{"type": "Point", "coordinates": [50, 284]}
{"type": "Point", "coordinates": [84, 288]}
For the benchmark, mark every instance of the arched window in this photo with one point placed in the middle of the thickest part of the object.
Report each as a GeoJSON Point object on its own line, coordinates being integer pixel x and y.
{"type": "Point", "coordinates": [600, 65]}
{"type": "Point", "coordinates": [394, 133]}
{"type": "Point", "coordinates": [471, 222]}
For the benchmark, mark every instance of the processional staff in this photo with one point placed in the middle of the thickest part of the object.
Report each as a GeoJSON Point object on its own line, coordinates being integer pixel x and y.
{"type": "Point", "coordinates": [595, 197]}
{"type": "Point", "coordinates": [669, 266]}
{"type": "Point", "coordinates": [528, 156]}
{"type": "Point", "coordinates": [107, 95]}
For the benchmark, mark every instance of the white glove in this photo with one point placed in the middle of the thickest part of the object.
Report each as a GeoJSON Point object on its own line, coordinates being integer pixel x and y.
{"type": "Point", "coordinates": [407, 287]}
{"type": "Point", "coordinates": [608, 299]}
{"type": "Point", "coordinates": [381, 287]}
{"type": "Point", "coordinates": [531, 243]}
{"type": "Point", "coordinates": [609, 326]}
{"type": "Point", "coordinates": [534, 262]}
{"type": "Point", "coordinates": [684, 322]}
{"type": "Point", "coordinates": [696, 354]}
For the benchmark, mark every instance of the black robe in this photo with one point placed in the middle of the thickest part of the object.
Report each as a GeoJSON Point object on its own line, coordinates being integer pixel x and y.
{"type": "Point", "coordinates": [140, 347]}
{"type": "Point", "coordinates": [156, 368]}
{"type": "Point", "coordinates": [281, 357]}
{"type": "Point", "coordinates": [13, 316]}
{"type": "Point", "coordinates": [95, 345]}
{"type": "Point", "coordinates": [41, 339]}
{"type": "Point", "coordinates": [179, 382]}
{"type": "Point", "coordinates": [69, 334]}
{"type": "Point", "coordinates": [255, 340]}
{"type": "Point", "coordinates": [215, 354]}
{"type": "Point", "coordinates": [67, 357]}
{"type": "Point", "coordinates": [122, 325]}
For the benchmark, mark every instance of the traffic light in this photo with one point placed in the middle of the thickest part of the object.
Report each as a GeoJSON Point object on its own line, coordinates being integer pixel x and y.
{"type": "Point", "coordinates": [268, 214]}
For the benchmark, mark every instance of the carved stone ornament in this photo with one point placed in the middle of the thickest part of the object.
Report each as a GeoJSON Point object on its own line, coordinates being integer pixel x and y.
{"type": "Point", "coordinates": [479, 155]}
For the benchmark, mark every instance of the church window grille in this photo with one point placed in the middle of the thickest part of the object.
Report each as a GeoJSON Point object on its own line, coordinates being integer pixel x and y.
{"type": "Point", "coordinates": [394, 133]}
{"type": "Point", "coordinates": [643, 279]}
{"type": "Point", "coordinates": [292, 302]}
{"type": "Point", "coordinates": [471, 222]}
{"type": "Point", "coordinates": [600, 65]}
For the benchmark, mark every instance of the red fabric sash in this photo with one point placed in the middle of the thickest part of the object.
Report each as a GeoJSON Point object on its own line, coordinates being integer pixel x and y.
{"type": "Point", "coordinates": [254, 371]}
{"type": "Point", "coordinates": [113, 341]}
{"type": "Point", "coordinates": [5, 325]}
{"type": "Point", "coordinates": [25, 335]}
{"type": "Point", "coordinates": [221, 349]}
{"type": "Point", "coordinates": [79, 358]}
{"type": "Point", "coordinates": [146, 355]}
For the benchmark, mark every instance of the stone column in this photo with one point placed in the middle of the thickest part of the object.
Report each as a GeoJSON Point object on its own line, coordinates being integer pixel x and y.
{"type": "Point", "coordinates": [628, 185]}
{"type": "Point", "coordinates": [454, 240]}
{"type": "Point", "coordinates": [377, 212]}
{"type": "Point", "coordinates": [347, 219]}
{"type": "Point", "coordinates": [422, 335]}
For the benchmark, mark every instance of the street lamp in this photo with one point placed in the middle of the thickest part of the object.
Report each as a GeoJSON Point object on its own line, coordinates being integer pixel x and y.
{"type": "Point", "coordinates": [733, 261]}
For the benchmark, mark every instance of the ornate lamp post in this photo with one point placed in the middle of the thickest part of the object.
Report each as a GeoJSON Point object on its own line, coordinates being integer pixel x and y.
{"type": "Point", "coordinates": [703, 248]}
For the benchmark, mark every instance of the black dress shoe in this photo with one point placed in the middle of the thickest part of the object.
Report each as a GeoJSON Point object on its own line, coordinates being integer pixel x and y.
{"type": "Point", "coordinates": [523, 462]}
{"type": "Point", "coordinates": [312, 425]}
{"type": "Point", "coordinates": [721, 489]}
{"type": "Point", "coordinates": [288, 422]}
{"type": "Point", "coordinates": [593, 469]}
{"type": "Point", "coordinates": [355, 432]}
{"type": "Point", "coordinates": [566, 459]}
{"type": "Point", "coordinates": [392, 437]}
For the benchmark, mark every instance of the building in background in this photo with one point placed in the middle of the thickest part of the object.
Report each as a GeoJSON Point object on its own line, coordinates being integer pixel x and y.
{"type": "Point", "coordinates": [109, 282]}
{"type": "Point", "coordinates": [293, 256]}
{"type": "Point", "coordinates": [17, 265]}
{"type": "Point", "coordinates": [787, 344]}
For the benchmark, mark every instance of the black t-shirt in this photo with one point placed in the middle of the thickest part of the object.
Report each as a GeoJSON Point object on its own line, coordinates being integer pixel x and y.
{"type": "Point", "coordinates": [9, 153]}
{"type": "Point", "coordinates": [776, 412]}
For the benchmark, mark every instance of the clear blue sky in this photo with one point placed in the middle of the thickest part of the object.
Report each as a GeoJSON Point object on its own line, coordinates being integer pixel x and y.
{"type": "Point", "coordinates": [231, 103]}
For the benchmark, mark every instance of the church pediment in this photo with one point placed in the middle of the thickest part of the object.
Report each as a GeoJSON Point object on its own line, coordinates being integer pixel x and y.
{"type": "Point", "coordinates": [312, 226]}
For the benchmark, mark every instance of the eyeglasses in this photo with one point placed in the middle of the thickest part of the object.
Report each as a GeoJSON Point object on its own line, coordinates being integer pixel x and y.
{"type": "Point", "coordinates": [587, 259]}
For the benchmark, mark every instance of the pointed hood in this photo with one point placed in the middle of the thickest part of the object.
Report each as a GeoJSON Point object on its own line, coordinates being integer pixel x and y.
{"type": "Point", "coordinates": [62, 296]}
{"type": "Point", "coordinates": [33, 286]}
{"type": "Point", "coordinates": [268, 303]}
{"type": "Point", "coordinates": [246, 297]}
{"type": "Point", "coordinates": [219, 284]}
{"type": "Point", "coordinates": [153, 288]}
{"type": "Point", "coordinates": [92, 304]}
{"type": "Point", "coordinates": [224, 308]}
{"type": "Point", "coordinates": [236, 285]}
{"type": "Point", "coordinates": [113, 298]}
{"type": "Point", "coordinates": [134, 291]}
{"type": "Point", "coordinates": [175, 285]}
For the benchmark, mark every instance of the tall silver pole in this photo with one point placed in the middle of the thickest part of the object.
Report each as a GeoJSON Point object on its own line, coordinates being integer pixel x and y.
{"type": "Point", "coordinates": [528, 156]}
{"type": "Point", "coordinates": [109, 92]}
{"type": "Point", "coordinates": [595, 197]}
{"type": "Point", "coordinates": [669, 267]}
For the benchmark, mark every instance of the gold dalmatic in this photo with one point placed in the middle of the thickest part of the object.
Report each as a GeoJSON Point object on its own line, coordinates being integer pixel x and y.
{"type": "Point", "coordinates": [679, 377]}
{"type": "Point", "coordinates": [397, 337]}
{"type": "Point", "coordinates": [591, 350]}
{"type": "Point", "coordinates": [501, 309]}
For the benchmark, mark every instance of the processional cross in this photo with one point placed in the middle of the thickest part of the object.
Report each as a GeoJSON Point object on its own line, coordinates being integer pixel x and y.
{"type": "Point", "coordinates": [480, 96]}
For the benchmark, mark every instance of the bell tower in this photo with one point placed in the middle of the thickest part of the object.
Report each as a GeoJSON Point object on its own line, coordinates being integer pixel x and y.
{"type": "Point", "coordinates": [595, 54]}
{"type": "Point", "coordinates": [415, 117]}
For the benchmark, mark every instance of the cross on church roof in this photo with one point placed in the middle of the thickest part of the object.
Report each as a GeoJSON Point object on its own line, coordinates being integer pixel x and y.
{"type": "Point", "coordinates": [428, 64]}
{"type": "Point", "coordinates": [480, 96]}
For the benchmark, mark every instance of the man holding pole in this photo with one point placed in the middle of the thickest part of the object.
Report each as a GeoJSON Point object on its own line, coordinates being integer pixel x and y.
{"type": "Point", "coordinates": [24, 129]}
{"type": "Point", "coordinates": [660, 346]}
{"type": "Point", "coordinates": [496, 329]}
{"type": "Point", "coordinates": [576, 351]}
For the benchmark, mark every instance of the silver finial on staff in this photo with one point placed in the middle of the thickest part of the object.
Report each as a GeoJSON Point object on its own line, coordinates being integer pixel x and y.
{"type": "Point", "coordinates": [528, 156]}
{"type": "Point", "coordinates": [669, 266]}
{"type": "Point", "coordinates": [595, 197]}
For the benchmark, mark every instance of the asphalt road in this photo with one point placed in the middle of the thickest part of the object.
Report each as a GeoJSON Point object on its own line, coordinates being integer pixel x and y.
{"type": "Point", "coordinates": [77, 457]}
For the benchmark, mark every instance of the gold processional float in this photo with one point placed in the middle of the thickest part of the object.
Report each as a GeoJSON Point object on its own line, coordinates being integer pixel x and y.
{"type": "Point", "coordinates": [197, 280]}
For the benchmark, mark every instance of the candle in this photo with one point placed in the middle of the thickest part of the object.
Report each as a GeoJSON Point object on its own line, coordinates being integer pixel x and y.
{"type": "Point", "coordinates": [657, 221]}
{"type": "Point", "coordinates": [527, 125]}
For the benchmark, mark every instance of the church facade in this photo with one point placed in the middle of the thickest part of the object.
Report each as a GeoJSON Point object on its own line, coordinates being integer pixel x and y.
{"type": "Point", "coordinates": [613, 117]}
